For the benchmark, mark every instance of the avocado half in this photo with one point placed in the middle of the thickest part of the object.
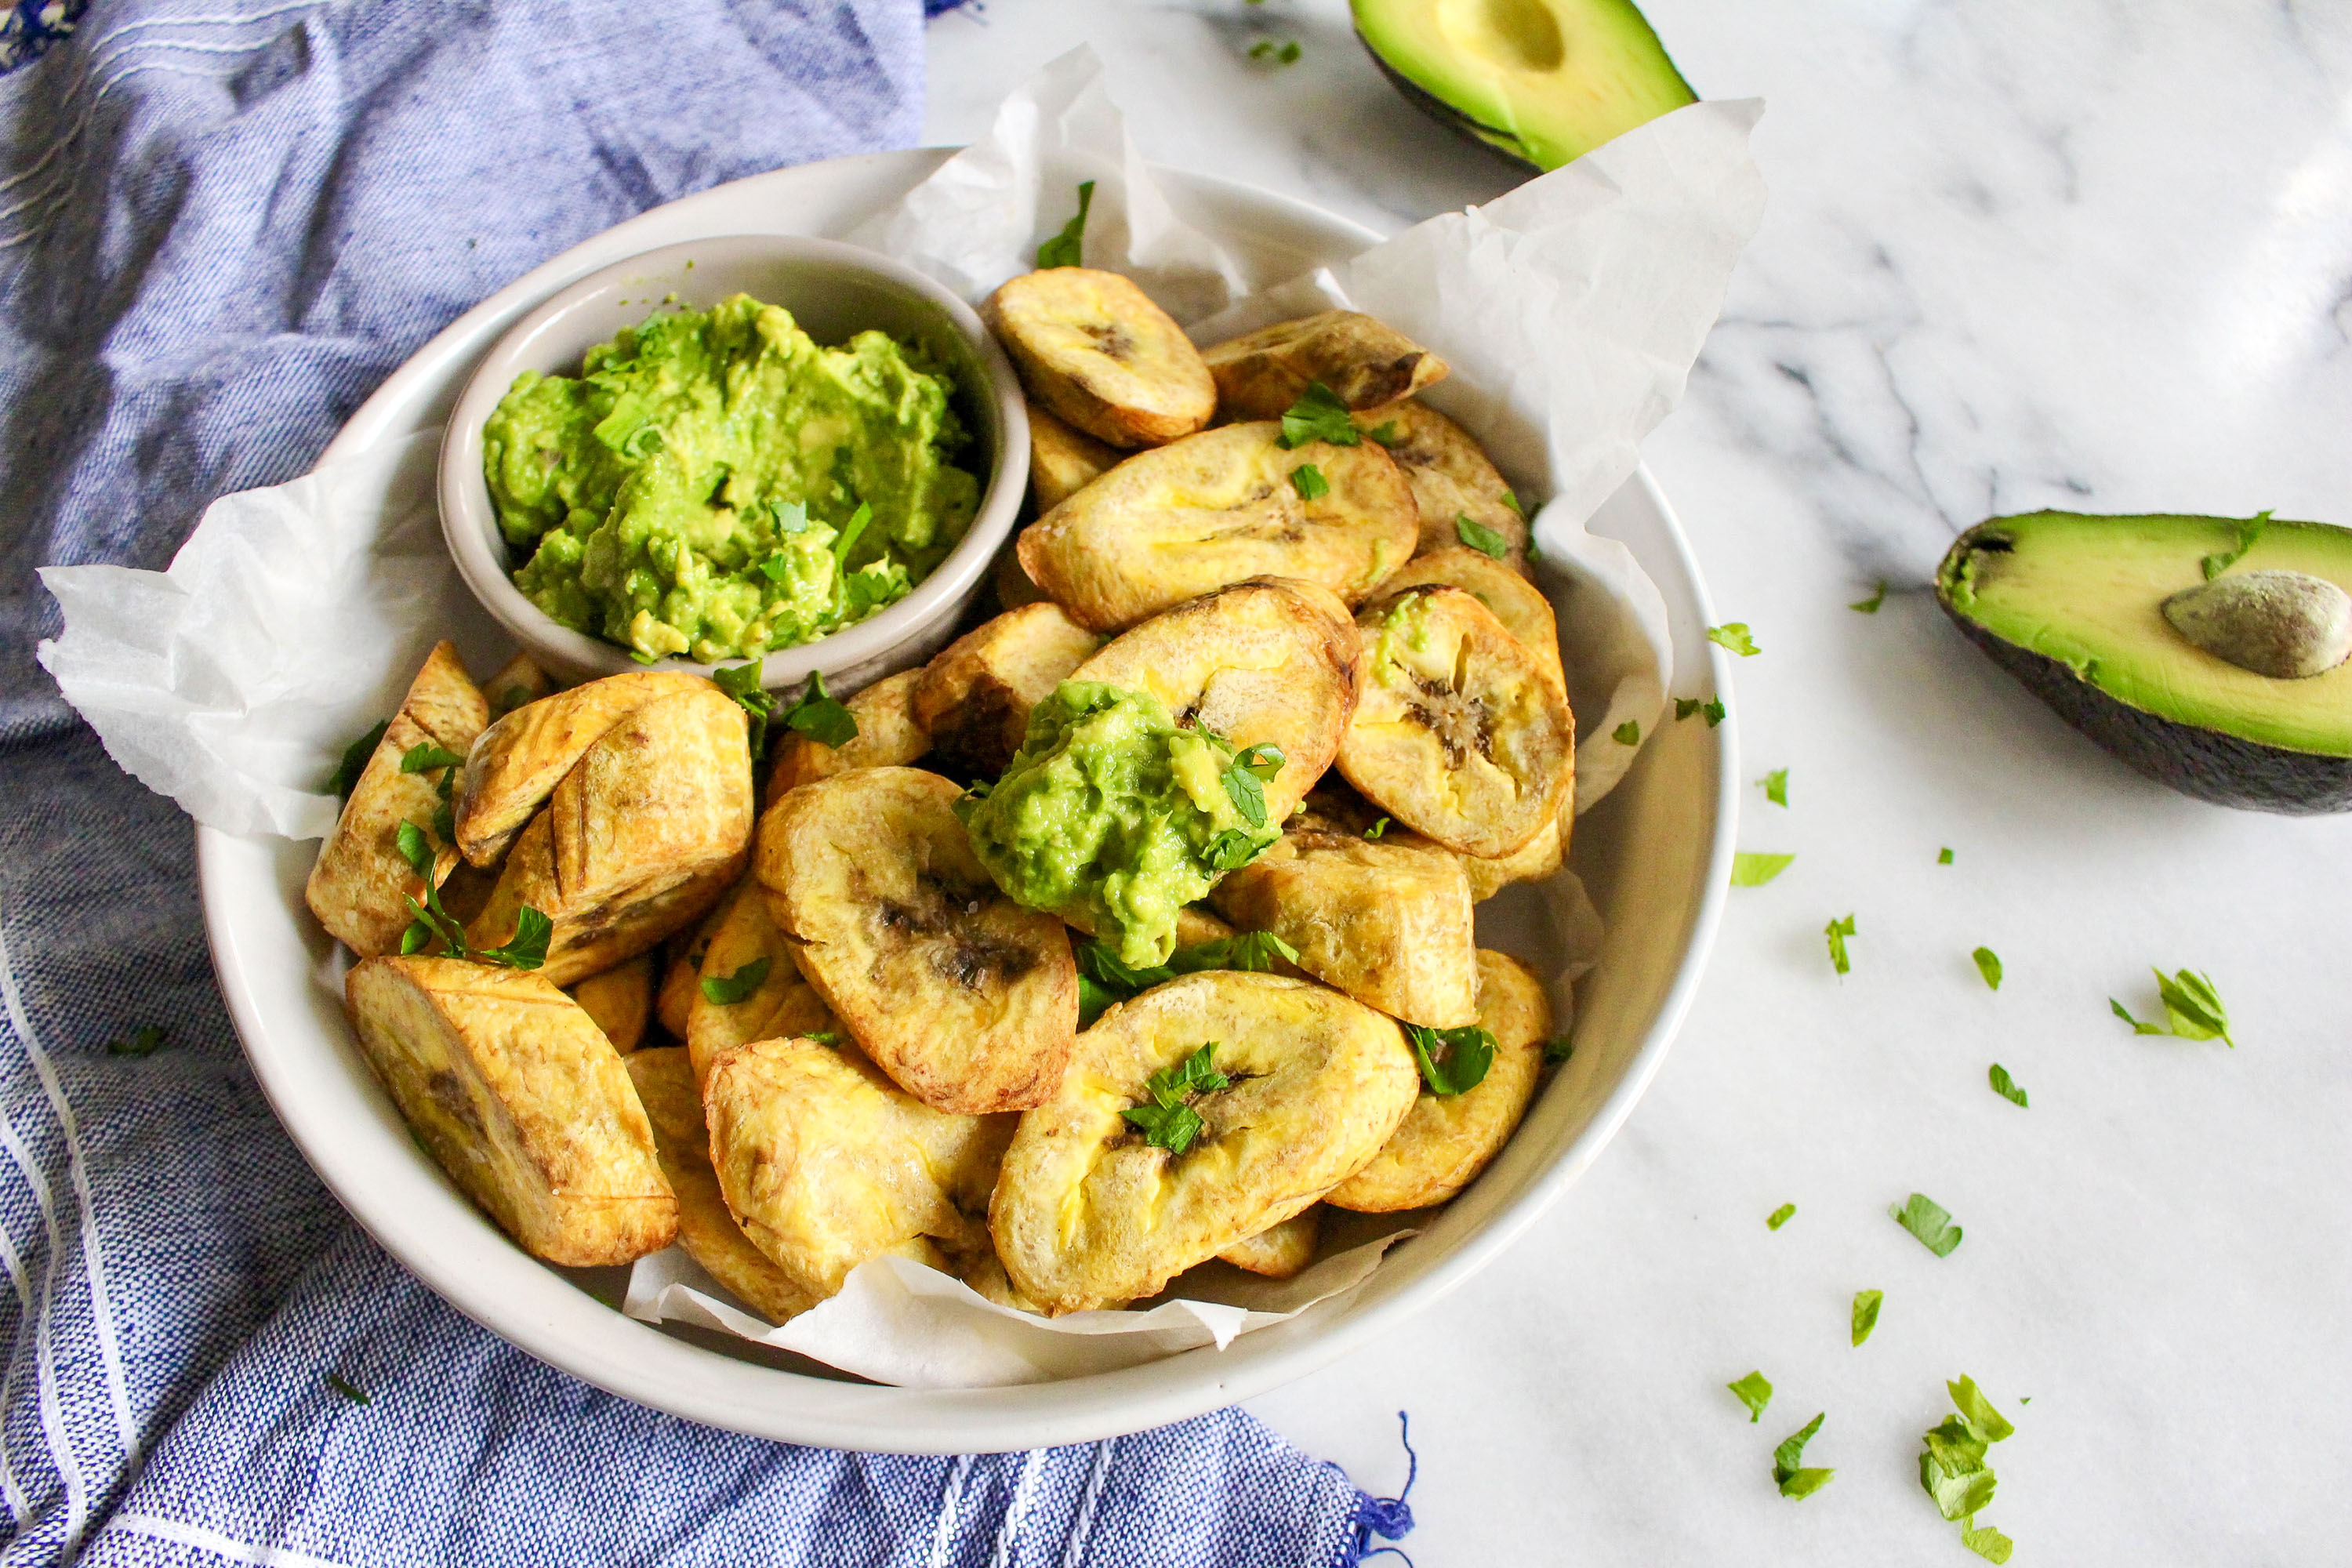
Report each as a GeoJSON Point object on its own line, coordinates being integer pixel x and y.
{"type": "Point", "coordinates": [2070, 605]}
{"type": "Point", "coordinates": [1542, 80]}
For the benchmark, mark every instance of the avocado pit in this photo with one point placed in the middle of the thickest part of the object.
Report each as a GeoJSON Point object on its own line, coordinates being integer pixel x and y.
{"type": "Point", "coordinates": [2289, 626]}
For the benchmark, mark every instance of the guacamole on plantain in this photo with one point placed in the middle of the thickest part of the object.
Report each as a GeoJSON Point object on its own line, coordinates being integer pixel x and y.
{"type": "Point", "coordinates": [715, 483]}
{"type": "Point", "coordinates": [1114, 815]}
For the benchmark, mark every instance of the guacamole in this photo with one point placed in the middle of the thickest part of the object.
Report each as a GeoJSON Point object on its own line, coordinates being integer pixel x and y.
{"type": "Point", "coordinates": [1112, 813]}
{"type": "Point", "coordinates": [714, 483]}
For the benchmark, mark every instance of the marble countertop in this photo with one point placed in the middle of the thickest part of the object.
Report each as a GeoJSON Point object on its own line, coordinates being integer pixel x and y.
{"type": "Point", "coordinates": [2096, 256]}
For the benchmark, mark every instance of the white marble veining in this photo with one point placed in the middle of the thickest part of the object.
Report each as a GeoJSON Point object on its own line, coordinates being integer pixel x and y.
{"type": "Point", "coordinates": [2097, 256]}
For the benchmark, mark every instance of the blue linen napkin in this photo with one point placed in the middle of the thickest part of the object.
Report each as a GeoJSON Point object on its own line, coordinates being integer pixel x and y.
{"type": "Point", "coordinates": [222, 223]}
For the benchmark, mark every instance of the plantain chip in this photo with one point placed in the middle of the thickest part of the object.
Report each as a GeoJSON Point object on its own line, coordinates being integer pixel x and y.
{"type": "Point", "coordinates": [1387, 920]}
{"type": "Point", "coordinates": [965, 998]}
{"type": "Point", "coordinates": [664, 1083]}
{"type": "Point", "coordinates": [974, 698]}
{"type": "Point", "coordinates": [1280, 1251]}
{"type": "Point", "coordinates": [824, 1163]}
{"type": "Point", "coordinates": [1451, 478]}
{"type": "Point", "coordinates": [1445, 1141]}
{"type": "Point", "coordinates": [619, 1000]}
{"type": "Point", "coordinates": [1087, 1212]}
{"type": "Point", "coordinates": [682, 961]}
{"type": "Point", "coordinates": [887, 737]}
{"type": "Point", "coordinates": [748, 988]}
{"type": "Point", "coordinates": [515, 765]}
{"type": "Point", "coordinates": [1462, 733]}
{"type": "Point", "coordinates": [1364, 362]}
{"type": "Point", "coordinates": [518, 682]}
{"type": "Point", "coordinates": [521, 1101]}
{"type": "Point", "coordinates": [1094, 349]}
{"type": "Point", "coordinates": [1216, 508]}
{"type": "Point", "coordinates": [1063, 461]}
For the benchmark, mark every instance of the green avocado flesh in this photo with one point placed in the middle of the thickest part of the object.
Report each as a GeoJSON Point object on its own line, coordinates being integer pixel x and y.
{"type": "Point", "coordinates": [2086, 593]}
{"type": "Point", "coordinates": [697, 488]}
{"type": "Point", "coordinates": [1544, 80]}
{"type": "Point", "coordinates": [1107, 815]}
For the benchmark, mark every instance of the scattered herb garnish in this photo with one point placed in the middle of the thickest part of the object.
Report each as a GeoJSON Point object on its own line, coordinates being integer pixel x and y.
{"type": "Point", "coordinates": [1753, 871]}
{"type": "Point", "coordinates": [1557, 1050]}
{"type": "Point", "coordinates": [1284, 54]}
{"type": "Point", "coordinates": [1712, 707]}
{"type": "Point", "coordinates": [2192, 1009]}
{"type": "Point", "coordinates": [2007, 1087]}
{"type": "Point", "coordinates": [1309, 481]}
{"type": "Point", "coordinates": [742, 681]}
{"type": "Point", "coordinates": [1755, 1392]}
{"type": "Point", "coordinates": [527, 949]}
{"type": "Point", "coordinates": [1386, 432]}
{"type": "Point", "coordinates": [1927, 1221]}
{"type": "Point", "coordinates": [1988, 965]}
{"type": "Point", "coordinates": [820, 716]}
{"type": "Point", "coordinates": [427, 756]}
{"type": "Point", "coordinates": [1795, 1482]}
{"type": "Point", "coordinates": [1318, 416]}
{"type": "Point", "coordinates": [1512, 501]}
{"type": "Point", "coordinates": [1451, 1061]}
{"type": "Point", "coordinates": [1733, 635]}
{"type": "Point", "coordinates": [824, 1036]}
{"type": "Point", "coordinates": [348, 1389]}
{"type": "Point", "coordinates": [1865, 1313]}
{"type": "Point", "coordinates": [1837, 930]}
{"type": "Point", "coordinates": [1064, 248]}
{"type": "Point", "coordinates": [1377, 828]}
{"type": "Point", "coordinates": [1780, 1217]}
{"type": "Point", "coordinates": [1169, 1122]}
{"type": "Point", "coordinates": [1870, 606]}
{"type": "Point", "coordinates": [728, 990]}
{"type": "Point", "coordinates": [1103, 978]}
{"type": "Point", "coordinates": [2249, 531]}
{"type": "Point", "coordinates": [1245, 779]}
{"type": "Point", "coordinates": [1953, 1470]}
{"type": "Point", "coordinates": [1629, 734]}
{"type": "Point", "coordinates": [143, 1041]}
{"type": "Point", "coordinates": [355, 761]}
{"type": "Point", "coordinates": [1943, 857]}
{"type": "Point", "coordinates": [1776, 787]}
{"type": "Point", "coordinates": [1479, 537]}
{"type": "Point", "coordinates": [429, 922]}
{"type": "Point", "coordinates": [1230, 850]}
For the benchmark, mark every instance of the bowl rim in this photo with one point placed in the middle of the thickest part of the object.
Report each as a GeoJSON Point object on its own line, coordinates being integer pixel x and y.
{"type": "Point", "coordinates": [469, 521]}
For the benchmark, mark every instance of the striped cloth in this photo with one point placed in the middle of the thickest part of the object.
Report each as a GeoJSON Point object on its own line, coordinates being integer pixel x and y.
{"type": "Point", "coordinates": [222, 223]}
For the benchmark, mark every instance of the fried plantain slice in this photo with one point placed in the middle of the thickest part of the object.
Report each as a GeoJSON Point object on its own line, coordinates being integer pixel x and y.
{"type": "Point", "coordinates": [516, 763]}
{"type": "Point", "coordinates": [666, 1087]}
{"type": "Point", "coordinates": [1518, 604]}
{"type": "Point", "coordinates": [974, 698]}
{"type": "Point", "coordinates": [1462, 733]}
{"type": "Point", "coordinates": [1452, 478]}
{"type": "Point", "coordinates": [748, 988]}
{"type": "Point", "coordinates": [1363, 360]}
{"type": "Point", "coordinates": [1216, 508]}
{"type": "Point", "coordinates": [1086, 1211]}
{"type": "Point", "coordinates": [522, 1102]}
{"type": "Point", "coordinates": [619, 1000]}
{"type": "Point", "coordinates": [1262, 662]}
{"type": "Point", "coordinates": [1063, 459]}
{"type": "Point", "coordinates": [1014, 589]}
{"type": "Point", "coordinates": [1280, 1251]}
{"type": "Point", "coordinates": [360, 885]}
{"type": "Point", "coordinates": [1445, 1141]}
{"type": "Point", "coordinates": [887, 737]}
{"type": "Point", "coordinates": [682, 961]}
{"type": "Point", "coordinates": [648, 830]}
{"type": "Point", "coordinates": [825, 1163]}
{"type": "Point", "coordinates": [1531, 862]}
{"type": "Point", "coordinates": [1387, 920]}
{"type": "Point", "coordinates": [518, 682]}
{"type": "Point", "coordinates": [1094, 349]}
{"type": "Point", "coordinates": [965, 998]}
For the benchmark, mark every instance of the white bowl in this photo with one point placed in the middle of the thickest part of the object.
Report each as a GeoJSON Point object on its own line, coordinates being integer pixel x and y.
{"type": "Point", "coordinates": [832, 290]}
{"type": "Point", "coordinates": [1655, 857]}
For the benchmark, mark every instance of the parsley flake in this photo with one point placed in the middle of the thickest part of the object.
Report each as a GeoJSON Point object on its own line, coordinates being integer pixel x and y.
{"type": "Point", "coordinates": [2249, 531]}
{"type": "Point", "coordinates": [1776, 787]}
{"type": "Point", "coordinates": [1794, 1481]}
{"type": "Point", "coordinates": [1988, 965]}
{"type": "Point", "coordinates": [2192, 1009]}
{"type": "Point", "coordinates": [1230, 850]}
{"type": "Point", "coordinates": [427, 755]}
{"type": "Point", "coordinates": [1512, 501]}
{"type": "Point", "coordinates": [1953, 1469]}
{"type": "Point", "coordinates": [1103, 978]}
{"type": "Point", "coordinates": [1064, 248]}
{"type": "Point", "coordinates": [1749, 870]}
{"type": "Point", "coordinates": [1928, 1223]}
{"type": "Point", "coordinates": [349, 1390]}
{"type": "Point", "coordinates": [1309, 481]}
{"type": "Point", "coordinates": [1377, 828]}
{"type": "Point", "coordinates": [742, 681]}
{"type": "Point", "coordinates": [1318, 416]}
{"type": "Point", "coordinates": [1451, 1061]}
{"type": "Point", "coordinates": [1733, 635]}
{"type": "Point", "coordinates": [1712, 709]}
{"type": "Point", "coordinates": [1755, 1392]}
{"type": "Point", "coordinates": [1480, 537]}
{"type": "Point", "coordinates": [1557, 1050]}
{"type": "Point", "coordinates": [1244, 782]}
{"type": "Point", "coordinates": [1943, 857]}
{"type": "Point", "coordinates": [346, 777]}
{"type": "Point", "coordinates": [1629, 734]}
{"type": "Point", "coordinates": [1169, 1121]}
{"type": "Point", "coordinates": [820, 716]}
{"type": "Point", "coordinates": [527, 949]}
{"type": "Point", "coordinates": [1780, 1217]}
{"type": "Point", "coordinates": [143, 1041]}
{"type": "Point", "coordinates": [1865, 1313]}
{"type": "Point", "coordinates": [1870, 606]}
{"type": "Point", "coordinates": [2007, 1087]}
{"type": "Point", "coordinates": [727, 990]}
{"type": "Point", "coordinates": [1386, 432]}
{"type": "Point", "coordinates": [1284, 54]}
{"type": "Point", "coordinates": [1837, 930]}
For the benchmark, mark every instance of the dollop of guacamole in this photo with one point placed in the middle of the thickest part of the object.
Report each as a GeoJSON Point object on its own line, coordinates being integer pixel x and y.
{"type": "Point", "coordinates": [1112, 814]}
{"type": "Point", "coordinates": [716, 483]}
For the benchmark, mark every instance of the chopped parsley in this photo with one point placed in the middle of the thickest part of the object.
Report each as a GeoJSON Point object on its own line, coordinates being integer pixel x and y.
{"type": "Point", "coordinates": [728, 990]}
{"type": "Point", "coordinates": [1064, 248]}
{"type": "Point", "coordinates": [1318, 416]}
{"type": "Point", "coordinates": [143, 1041]}
{"type": "Point", "coordinates": [1749, 870]}
{"type": "Point", "coordinates": [1795, 1481]}
{"type": "Point", "coordinates": [1712, 709]}
{"type": "Point", "coordinates": [1865, 1313]}
{"type": "Point", "coordinates": [1512, 501]}
{"type": "Point", "coordinates": [820, 716]}
{"type": "Point", "coordinates": [2249, 531]}
{"type": "Point", "coordinates": [1169, 1121]}
{"type": "Point", "coordinates": [427, 756]}
{"type": "Point", "coordinates": [1479, 537]}
{"type": "Point", "coordinates": [1230, 850]}
{"type": "Point", "coordinates": [1780, 1217]}
{"type": "Point", "coordinates": [742, 681]}
{"type": "Point", "coordinates": [1309, 481]}
{"type": "Point", "coordinates": [1953, 1469]}
{"type": "Point", "coordinates": [1870, 606]}
{"type": "Point", "coordinates": [1103, 978]}
{"type": "Point", "coordinates": [1245, 779]}
{"type": "Point", "coordinates": [1557, 1050]}
{"type": "Point", "coordinates": [1386, 432]}
{"type": "Point", "coordinates": [1837, 930]}
{"type": "Point", "coordinates": [346, 777]}
{"type": "Point", "coordinates": [1283, 54]}
{"type": "Point", "coordinates": [1943, 857]}
{"type": "Point", "coordinates": [2192, 1009]}
{"type": "Point", "coordinates": [1755, 1392]}
{"type": "Point", "coordinates": [1988, 965]}
{"type": "Point", "coordinates": [430, 922]}
{"type": "Point", "coordinates": [1733, 635]}
{"type": "Point", "coordinates": [1629, 734]}
{"type": "Point", "coordinates": [1928, 1222]}
{"type": "Point", "coordinates": [1776, 787]}
{"type": "Point", "coordinates": [1451, 1061]}
{"type": "Point", "coordinates": [1377, 828]}
{"type": "Point", "coordinates": [2007, 1087]}
{"type": "Point", "coordinates": [348, 1389]}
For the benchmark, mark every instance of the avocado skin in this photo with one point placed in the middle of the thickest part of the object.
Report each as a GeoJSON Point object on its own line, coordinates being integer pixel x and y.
{"type": "Point", "coordinates": [1499, 143]}
{"type": "Point", "coordinates": [2207, 765]}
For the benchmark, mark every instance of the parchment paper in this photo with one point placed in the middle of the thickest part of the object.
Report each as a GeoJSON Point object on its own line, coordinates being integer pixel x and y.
{"type": "Point", "coordinates": [1570, 310]}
